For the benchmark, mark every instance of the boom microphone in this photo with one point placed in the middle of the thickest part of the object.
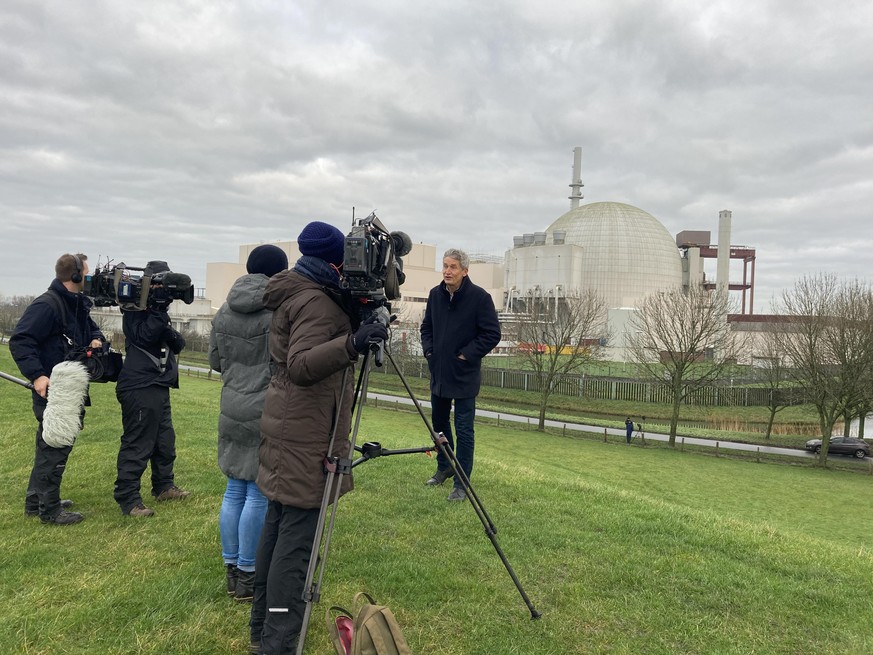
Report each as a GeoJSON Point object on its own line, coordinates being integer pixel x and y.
{"type": "Point", "coordinates": [62, 420]}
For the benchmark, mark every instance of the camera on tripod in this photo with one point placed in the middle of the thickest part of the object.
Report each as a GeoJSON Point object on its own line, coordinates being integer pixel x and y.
{"type": "Point", "coordinates": [372, 268]}
{"type": "Point", "coordinates": [137, 288]}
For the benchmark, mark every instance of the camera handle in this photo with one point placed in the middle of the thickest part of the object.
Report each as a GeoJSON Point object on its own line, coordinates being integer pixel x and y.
{"type": "Point", "coordinates": [337, 467]}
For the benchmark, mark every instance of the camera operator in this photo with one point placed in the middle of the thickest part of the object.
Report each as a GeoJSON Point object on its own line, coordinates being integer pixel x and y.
{"type": "Point", "coordinates": [143, 389]}
{"type": "Point", "coordinates": [313, 341]}
{"type": "Point", "coordinates": [51, 325]}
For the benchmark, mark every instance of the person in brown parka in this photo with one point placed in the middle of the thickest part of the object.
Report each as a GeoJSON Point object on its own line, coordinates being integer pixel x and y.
{"type": "Point", "coordinates": [314, 348]}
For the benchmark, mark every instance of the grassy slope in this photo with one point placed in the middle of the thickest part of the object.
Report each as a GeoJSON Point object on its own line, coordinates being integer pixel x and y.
{"type": "Point", "coordinates": [624, 550]}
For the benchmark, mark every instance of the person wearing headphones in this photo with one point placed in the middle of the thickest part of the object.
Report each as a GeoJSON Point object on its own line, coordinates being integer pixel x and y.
{"type": "Point", "coordinates": [53, 324]}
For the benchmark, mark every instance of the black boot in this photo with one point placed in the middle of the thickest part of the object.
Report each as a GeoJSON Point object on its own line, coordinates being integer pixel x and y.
{"type": "Point", "coordinates": [245, 586]}
{"type": "Point", "coordinates": [62, 518]}
{"type": "Point", "coordinates": [232, 574]}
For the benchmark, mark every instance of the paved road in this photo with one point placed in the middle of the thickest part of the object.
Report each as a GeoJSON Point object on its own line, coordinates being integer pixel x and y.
{"type": "Point", "coordinates": [619, 432]}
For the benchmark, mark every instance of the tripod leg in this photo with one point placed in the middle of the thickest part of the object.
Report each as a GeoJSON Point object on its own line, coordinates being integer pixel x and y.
{"type": "Point", "coordinates": [442, 445]}
{"type": "Point", "coordinates": [332, 487]}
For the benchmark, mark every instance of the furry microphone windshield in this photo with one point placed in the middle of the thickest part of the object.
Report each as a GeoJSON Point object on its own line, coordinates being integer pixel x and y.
{"type": "Point", "coordinates": [62, 420]}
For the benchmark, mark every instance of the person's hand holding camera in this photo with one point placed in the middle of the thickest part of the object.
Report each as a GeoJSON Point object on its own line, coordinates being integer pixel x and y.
{"type": "Point", "coordinates": [367, 334]}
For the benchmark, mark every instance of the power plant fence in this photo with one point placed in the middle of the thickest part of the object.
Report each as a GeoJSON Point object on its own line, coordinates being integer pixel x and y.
{"type": "Point", "coordinates": [584, 386]}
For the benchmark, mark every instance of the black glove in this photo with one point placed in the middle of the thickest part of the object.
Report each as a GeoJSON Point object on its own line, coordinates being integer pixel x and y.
{"type": "Point", "coordinates": [367, 334]}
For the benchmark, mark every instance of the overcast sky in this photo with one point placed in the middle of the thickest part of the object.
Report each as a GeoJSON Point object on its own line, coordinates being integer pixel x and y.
{"type": "Point", "coordinates": [179, 130]}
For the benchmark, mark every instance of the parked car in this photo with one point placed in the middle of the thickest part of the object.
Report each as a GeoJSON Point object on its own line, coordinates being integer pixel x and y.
{"type": "Point", "coordinates": [842, 446]}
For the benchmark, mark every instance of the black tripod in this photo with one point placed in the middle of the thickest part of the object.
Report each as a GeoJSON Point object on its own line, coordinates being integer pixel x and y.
{"type": "Point", "coordinates": [337, 467]}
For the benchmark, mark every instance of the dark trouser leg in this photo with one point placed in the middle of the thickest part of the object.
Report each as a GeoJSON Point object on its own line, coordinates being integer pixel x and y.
{"type": "Point", "coordinates": [287, 573]}
{"type": "Point", "coordinates": [440, 411]}
{"type": "Point", "coordinates": [465, 417]}
{"type": "Point", "coordinates": [266, 545]}
{"type": "Point", "coordinates": [140, 417]}
{"type": "Point", "coordinates": [31, 499]}
{"type": "Point", "coordinates": [48, 470]}
{"type": "Point", "coordinates": [165, 447]}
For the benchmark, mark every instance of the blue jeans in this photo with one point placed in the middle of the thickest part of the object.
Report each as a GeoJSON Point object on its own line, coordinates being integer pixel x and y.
{"type": "Point", "coordinates": [240, 522]}
{"type": "Point", "coordinates": [465, 415]}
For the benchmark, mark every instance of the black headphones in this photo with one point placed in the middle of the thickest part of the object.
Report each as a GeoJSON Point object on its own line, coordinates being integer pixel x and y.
{"type": "Point", "coordinates": [77, 276]}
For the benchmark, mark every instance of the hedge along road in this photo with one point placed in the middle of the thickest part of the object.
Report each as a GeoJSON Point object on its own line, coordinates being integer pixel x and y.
{"type": "Point", "coordinates": [616, 432]}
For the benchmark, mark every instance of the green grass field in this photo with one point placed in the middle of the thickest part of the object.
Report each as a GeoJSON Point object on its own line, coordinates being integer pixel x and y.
{"type": "Point", "coordinates": [624, 550]}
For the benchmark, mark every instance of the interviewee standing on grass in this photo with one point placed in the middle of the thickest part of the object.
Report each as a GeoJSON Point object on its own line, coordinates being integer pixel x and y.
{"type": "Point", "coordinates": [239, 350]}
{"type": "Point", "coordinates": [460, 327]}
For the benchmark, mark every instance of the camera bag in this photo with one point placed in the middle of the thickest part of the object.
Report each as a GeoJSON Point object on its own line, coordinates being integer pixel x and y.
{"type": "Point", "coordinates": [103, 364]}
{"type": "Point", "coordinates": [373, 631]}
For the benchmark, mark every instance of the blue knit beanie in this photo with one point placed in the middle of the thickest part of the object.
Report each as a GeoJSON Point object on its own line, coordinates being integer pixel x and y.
{"type": "Point", "coordinates": [323, 241]}
{"type": "Point", "coordinates": [267, 259]}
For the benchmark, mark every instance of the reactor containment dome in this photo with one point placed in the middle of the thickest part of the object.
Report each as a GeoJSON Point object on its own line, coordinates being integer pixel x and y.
{"type": "Point", "coordinates": [618, 250]}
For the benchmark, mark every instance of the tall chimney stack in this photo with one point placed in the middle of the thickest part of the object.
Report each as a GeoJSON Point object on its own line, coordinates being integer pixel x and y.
{"type": "Point", "coordinates": [576, 182]}
{"type": "Point", "coordinates": [723, 268]}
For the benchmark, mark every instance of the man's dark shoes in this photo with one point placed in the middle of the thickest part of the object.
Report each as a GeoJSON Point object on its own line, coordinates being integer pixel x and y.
{"type": "Point", "coordinates": [62, 518]}
{"type": "Point", "coordinates": [457, 494]}
{"type": "Point", "coordinates": [140, 510]}
{"type": "Point", "coordinates": [440, 476]}
{"type": "Point", "coordinates": [172, 493]}
{"type": "Point", "coordinates": [245, 586]}
{"type": "Point", "coordinates": [32, 509]}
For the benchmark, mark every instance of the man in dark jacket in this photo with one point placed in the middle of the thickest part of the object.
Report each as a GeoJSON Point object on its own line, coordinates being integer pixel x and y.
{"type": "Point", "coordinates": [314, 348]}
{"type": "Point", "coordinates": [460, 327]}
{"type": "Point", "coordinates": [54, 323]}
{"type": "Point", "coordinates": [143, 389]}
{"type": "Point", "coordinates": [238, 349]}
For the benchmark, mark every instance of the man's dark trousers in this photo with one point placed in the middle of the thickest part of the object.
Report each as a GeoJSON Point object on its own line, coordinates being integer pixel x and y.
{"type": "Point", "coordinates": [465, 415]}
{"type": "Point", "coordinates": [148, 437]}
{"type": "Point", "coordinates": [280, 571]}
{"type": "Point", "coordinates": [44, 488]}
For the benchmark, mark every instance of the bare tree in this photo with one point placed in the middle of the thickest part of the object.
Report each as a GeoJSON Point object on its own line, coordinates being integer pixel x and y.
{"type": "Point", "coordinates": [774, 373]}
{"type": "Point", "coordinates": [11, 309]}
{"type": "Point", "coordinates": [559, 336]}
{"type": "Point", "coordinates": [681, 339]}
{"type": "Point", "coordinates": [830, 345]}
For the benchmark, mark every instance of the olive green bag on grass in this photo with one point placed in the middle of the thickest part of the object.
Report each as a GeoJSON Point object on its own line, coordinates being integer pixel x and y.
{"type": "Point", "coordinates": [374, 631]}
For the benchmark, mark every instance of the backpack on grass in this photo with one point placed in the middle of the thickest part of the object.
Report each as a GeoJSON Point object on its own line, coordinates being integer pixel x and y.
{"type": "Point", "coordinates": [373, 631]}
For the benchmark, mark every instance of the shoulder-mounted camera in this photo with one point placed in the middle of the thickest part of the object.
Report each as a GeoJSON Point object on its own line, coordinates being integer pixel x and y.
{"type": "Point", "coordinates": [155, 286]}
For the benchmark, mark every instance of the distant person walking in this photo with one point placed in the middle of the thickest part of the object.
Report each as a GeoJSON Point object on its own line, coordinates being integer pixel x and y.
{"type": "Point", "coordinates": [239, 350]}
{"type": "Point", "coordinates": [629, 429]}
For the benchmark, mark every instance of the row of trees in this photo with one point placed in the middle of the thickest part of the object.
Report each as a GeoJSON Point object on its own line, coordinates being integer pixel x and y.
{"type": "Point", "coordinates": [817, 350]}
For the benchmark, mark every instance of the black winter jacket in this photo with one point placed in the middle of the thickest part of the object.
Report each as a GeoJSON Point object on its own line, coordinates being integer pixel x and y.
{"type": "Point", "coordinates": [37, 343]}
{"type": "Point", "coordinates": [151, 346]}
{"type": "Point", "coordinates": [464, 323]}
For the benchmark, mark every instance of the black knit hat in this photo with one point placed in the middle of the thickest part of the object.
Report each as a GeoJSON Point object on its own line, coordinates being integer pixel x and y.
{"type": "Point", "coordinates": [323, 241]}
{"type": "Point", "coordinates": [267, 259]}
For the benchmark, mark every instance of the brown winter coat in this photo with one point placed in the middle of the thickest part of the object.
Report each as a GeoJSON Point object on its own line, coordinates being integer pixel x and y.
{"type": "Point", "coordinates": [308, 342]}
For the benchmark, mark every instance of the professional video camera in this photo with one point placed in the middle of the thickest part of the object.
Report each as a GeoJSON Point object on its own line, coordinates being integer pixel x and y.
{"type": "Point", "coordinates": [372, 268]}
{"type": "Point", "coordinates": [154, 286]}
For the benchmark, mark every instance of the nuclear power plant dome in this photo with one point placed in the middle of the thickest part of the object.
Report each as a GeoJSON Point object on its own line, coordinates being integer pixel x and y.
{"type": "Point", "coordinates": [618, 250]}
{"type": "Point", "coordinates": [628, 253]}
